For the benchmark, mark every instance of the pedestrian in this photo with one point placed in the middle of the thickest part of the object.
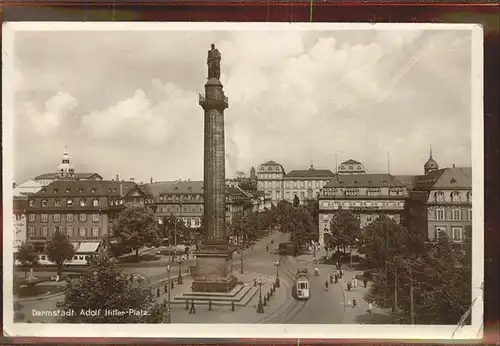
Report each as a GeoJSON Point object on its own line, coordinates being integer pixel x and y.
{"type": "Point", "coordinates": [365, 282]}
{"type": "Point", "coordinates": [192, 310]}
{"type": "Point", "coordinates": [349, 285]}
{"type": "Point", "coordinates": [331, 278]}
{"type": "Point", "coordinates": [355, 282]}
{"type": "Point", "coordinates": [267, 248]}
{"type": "Point", "coordinates": [370, 308]}
{"type": "Point", "coordinates": [349, 303]}
{"type": "Point", "coordinates": [326, 285]}
{"type": "Point", "coordinates": [336, 278]}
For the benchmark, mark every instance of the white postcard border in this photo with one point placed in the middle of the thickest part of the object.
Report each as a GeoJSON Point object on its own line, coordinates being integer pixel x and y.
{"type": "Point", "coordinates": [302, 331]}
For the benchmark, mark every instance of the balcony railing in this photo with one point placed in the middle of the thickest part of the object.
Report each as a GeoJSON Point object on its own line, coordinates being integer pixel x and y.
{"type": "Point", "coordinates": [223, 98]}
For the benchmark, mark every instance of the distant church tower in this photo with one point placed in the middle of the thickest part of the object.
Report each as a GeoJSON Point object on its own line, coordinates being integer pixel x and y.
{"type": "Point", "coordinates": [65, 169]}
{"type": "Point", "coordinates": [252, 174]}
{"type": "Point", "coordinates": [431, 165]}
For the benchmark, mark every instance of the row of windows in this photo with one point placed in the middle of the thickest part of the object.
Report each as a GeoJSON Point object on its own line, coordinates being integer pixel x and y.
{"type": "Point", "coordinates": [456, 214]}
{"type": "Point", "coordinates": [357, 192]}
{"type": "Point", "coordinates": [69, 231]}
{"type": "Point", "coordinates": [180, 197]}
{"type": "Point", "coordinates": [69, 202]}
{"type": "Point", "coordinates": [455, 196]}
{"type": "Point", "coordinates": [57, 217]}
{"type": "Point", "coordinates": [270, 176]}
{"type": "Point", "coordinates": [457, 233]}
{"type": "Point", "coordinates": [262, 168]}
{"type": "Point", "coordinates": [343, 168]}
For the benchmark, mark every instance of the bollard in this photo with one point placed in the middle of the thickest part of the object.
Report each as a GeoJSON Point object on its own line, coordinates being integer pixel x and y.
{"type": "Point", "coordinates": [271, 292]}
{"type": "Point", "coordinates": [158, 292]}
{"type": "Point", "coordinates": [232, 305]}
{"type": "Point", "coordinates": [187, 305]}
{"type": "Point", "coordinates": [254, 282]}
{"type": "Point", "coordinates": [354, 303]}
{"type": "Point", "coordinates": [166, 288]}
{"type": "Point", "coordinates": [172, 285]}
{"type": "Point", "coordinates": [210, 305]}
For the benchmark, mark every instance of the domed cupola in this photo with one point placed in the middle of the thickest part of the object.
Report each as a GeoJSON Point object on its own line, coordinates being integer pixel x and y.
{"type": "Point", "coordinates": [65, 169]}
{"type": "Point", "coordinates": [431, 164]}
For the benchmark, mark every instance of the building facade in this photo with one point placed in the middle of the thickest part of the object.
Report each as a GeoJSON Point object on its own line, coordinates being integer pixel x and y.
{"type": "Point", "coordinates": [19, 219]}
{"type": "Point", "coordinates": [184, 200]}
{"type": "Point", "coordinates": [351, 167]}
{"type": "Point", "coordinates": [82, 209]}
{"type": "Point", "coordinates": [366, 195]}
{"type": "Point", "coordinates": [306, 184]}
{"type": "Point", "coordinates": [270, 180]}
{"type": "Point", "coordinates": [27, 188]}
{"type": "Point", "coordinates": [441, 201]}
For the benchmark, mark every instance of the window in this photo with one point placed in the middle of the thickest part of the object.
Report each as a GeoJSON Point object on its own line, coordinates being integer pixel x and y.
{"type": "Point", "coordinates": [184, 209]}
{"type": "Point", "coordinates": [95, 203]}
{"type": "Point", "coordinates": [32, 203]}
{"type": "Point", "coordinates": [457, 233]}
{"type": "Point", "coordinates": [456, 214]}
{"type": "Point", "coordinates": [69, 202]}
{"type": "Point", "coordinates": [455, 196]}
{"type": "Point", "coordinates": [439, 196]}
{"type": "Point", "coordinates": [95, 231]}
{"type": "Point", "coordinates": [93, 190]}
{"type": "Point", "coordinates": [197, 222]}
{"type": "Point", "coordinates": [342, 167]}
{"type": "Point", "coordinates": [95, 217]}
{"type": "Point", "coordinates": [439, 214]}
{"type": "Point", "coordinates": [45, 231]}
{"type": "Point", "coordinates": [69, 217]}
{"type": "Point", "coordinates": [31, 230]}
{"type": "Point", "coordinates": [270, 169]}
{"type": "Point", "coordinates": [57, 217]}
{"type": "Point", "coordinates": [55, 229]}
{"type": "Point", "coordinates": [83, 231]}
{"type": "Point", "coordinates": [45, 217]}
{"type": "Point", "coordinates": [67, 190]}
{"type": "Point", "coordinates": [277, 168]}
{"type": "Point", "coordinates": [32, 217]}
{"type": "Point", "coordinates": [80, 190]}
{"type": "Point", "coordinates": [368, 218]}
{"type": "Point", "coordinates": [44, 202]}
{"type": "Point", "coordinates": [439, 231]}
{"type": "Point", "coordinates": [82, 203]}
{"type": "Point", "coordinates": [470, 214]}
{"type": "Point", "coordinates": [69, 231]}
{"type": "Point", "coordinates": [469, 196]}
{"type": "Point", "coordinates": [83, 217]}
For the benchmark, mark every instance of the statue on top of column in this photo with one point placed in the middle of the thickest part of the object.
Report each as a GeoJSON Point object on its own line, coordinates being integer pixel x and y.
{"type": "Point", "coordinates": [213, 61]}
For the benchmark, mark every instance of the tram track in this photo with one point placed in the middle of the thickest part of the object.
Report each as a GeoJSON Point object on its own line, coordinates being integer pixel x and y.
{"type": "Point", "coordinates": [291, 308]}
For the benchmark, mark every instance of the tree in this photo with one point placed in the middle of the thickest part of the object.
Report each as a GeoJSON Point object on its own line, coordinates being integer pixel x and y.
{"type": "Point", "coordinates": [439, 277]}
{"type": "Point", "coordinates": [175, 230]}
{"type": "Point", "coordinates": [248, 185]}
{"type": "Point", "coordinates": [59, 249]}
{"type": "Point", "coordinates": [104, 287]}
{"type": "Point", "coordinates": [344, 228]}
{"type": "Point", "coordinates": [26, 255]}
{"type": "Point", "coordinates": [136, 226]}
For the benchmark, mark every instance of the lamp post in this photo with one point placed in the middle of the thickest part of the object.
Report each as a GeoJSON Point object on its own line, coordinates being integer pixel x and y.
{"type": "Point", "coordinates": [180, 260]}
{"type": "Point", "coordinates": [168, 298]}
{"type": "Point", "coordinates": [277, 264]}
{"type": "Point", "coordinates": [260, 306]}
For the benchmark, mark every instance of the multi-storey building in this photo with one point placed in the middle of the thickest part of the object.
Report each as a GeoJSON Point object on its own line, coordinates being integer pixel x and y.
{"type": "Point", "coordinates": [305, 183]}
{"type": "Point", "coordinates": [441, 201]}
{"type": "Point", "coordinates": [184, 199]}
{"type": "Point", "coordinates": [270, 180]}
{"type": "Point", "coordinates": [366, 195]}
{"type": "Point", "coordinates": [83, 209]}
{"type": "Point", "coordinates": [64, 171]}
{"type": "Point", "coordinates": [19, 207]}
{"type": "Point", "coordinates": [351, 167]}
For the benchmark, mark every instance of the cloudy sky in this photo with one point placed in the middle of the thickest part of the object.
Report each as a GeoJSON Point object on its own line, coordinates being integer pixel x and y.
{"type": "Point", "coordinates": [127, 102]}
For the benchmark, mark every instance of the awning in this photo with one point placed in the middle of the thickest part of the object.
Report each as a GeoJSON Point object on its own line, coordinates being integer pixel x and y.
{"type": "Point", "coordinates": [88, 247]}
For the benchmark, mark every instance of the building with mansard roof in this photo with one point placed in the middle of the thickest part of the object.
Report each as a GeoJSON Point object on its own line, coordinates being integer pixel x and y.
{"type": "Point", "coordinates": [441, 203]}
{"type": "Point", "coordinates": [270, 180]}
{"type": "Point", "coordinates": [351, 167]}
{"type": "Point", "coordinates": [83, 209]}
{"type": "Point", "coordinates": [305, 183]}
{"type": "Point", "coordinates": [366, 195]}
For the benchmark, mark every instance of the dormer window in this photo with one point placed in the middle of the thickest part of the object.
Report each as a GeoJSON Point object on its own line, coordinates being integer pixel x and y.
{"type": "Point", "coordinates": [262, 168]}
{"type": "Point", "coordinates": [55, 190]}
{"type": "Point", "coordinates": [68, 190]}
{"type": "Point", "coordinates": [359, 167]}
{"type": "Point", "coordinates": [350, 167]}
{"type": "Point", "coordinates": [469, 197]}
{"type": "Point", "coordinates": [57, 203]}
{"type": "Point", "coordinates": [69, 202]}
{"type": "Point", "coordinates": [369, 182]}
{"type": "Point", "coordinates": [114, 189]}
{"type": "Point", "coordinates": [161, 198]}
{"type": "Point", "coordinates": [94, 190]}
{"type": "Point", "coordinates": [455, 196]}
{"type": "Point", "coordinates": [384, 182]}
{"type": "Point", "coordinates": [355, 182]}
{"type": "Point", "coordinates": [439, 196]}
{"type": "Point", "coordinates": [32, 203]}
{"type": "Point", "coordinates": [82, 203]}
{"type": "Point", "coordinates": [95, 202]}
{"type": "Point", "coordinates": [342, 167]}
{"type": "Point", "coordinates": [80, 190]}
{"type": "Point", "coordinates": [277, 168]}
{"type": "Point", "coordinates": [44, 202]}
{"type": "Point", "coordinates": [270, 169]}
{"type": "Point", "coordinates": [176, 188]}
{"type": "Point", "coordinates": [110, 190]}
{"type": "Point", "coordinates": [453, 181]}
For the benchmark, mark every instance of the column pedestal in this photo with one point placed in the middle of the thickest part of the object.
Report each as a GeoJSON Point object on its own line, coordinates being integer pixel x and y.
{"type": "Point", "coordinates": [214, 269]}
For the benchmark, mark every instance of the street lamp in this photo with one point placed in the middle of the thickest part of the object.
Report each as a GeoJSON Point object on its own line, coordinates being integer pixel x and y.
{"type": "Point", "coordinates": [277, 264]}
{"type": "Point", "coordinates": [260, 306]}
{"type": "Point", "coordinates": [168, 298]}
{"type": "Point", "coordinates": [180, 260]}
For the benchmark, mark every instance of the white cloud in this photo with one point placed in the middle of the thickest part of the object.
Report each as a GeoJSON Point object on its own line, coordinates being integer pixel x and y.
{"type": "Point", "coordinates": [49, 120]}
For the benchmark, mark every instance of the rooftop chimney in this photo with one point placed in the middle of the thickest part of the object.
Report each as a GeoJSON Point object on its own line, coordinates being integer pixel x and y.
{"type": "Point", "coordinates": [453, 165]}
{"type": "Point", "coordinates": [117, 178]}
{"type": "Point", "coordinates": [151, 180]}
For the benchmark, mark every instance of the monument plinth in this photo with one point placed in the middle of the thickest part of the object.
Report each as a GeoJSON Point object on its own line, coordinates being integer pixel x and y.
{"type": "Point", "coordinates": [214, 257]}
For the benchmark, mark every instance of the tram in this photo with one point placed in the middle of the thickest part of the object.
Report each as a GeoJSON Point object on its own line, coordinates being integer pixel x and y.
{"type": "Point", "coordinates": [300, 289]}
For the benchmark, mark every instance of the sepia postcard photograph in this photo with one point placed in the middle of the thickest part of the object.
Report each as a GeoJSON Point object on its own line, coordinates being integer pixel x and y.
{"type": "Point", "coordinates": [227, 180]}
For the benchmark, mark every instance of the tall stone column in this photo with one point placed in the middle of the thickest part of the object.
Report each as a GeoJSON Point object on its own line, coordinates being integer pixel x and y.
{"type": "Point", "coordinates": [214, 257]}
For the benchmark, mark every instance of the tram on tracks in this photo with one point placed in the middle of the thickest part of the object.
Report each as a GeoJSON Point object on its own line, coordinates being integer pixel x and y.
{"type": "Point", "coordinates": [300, 290]}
